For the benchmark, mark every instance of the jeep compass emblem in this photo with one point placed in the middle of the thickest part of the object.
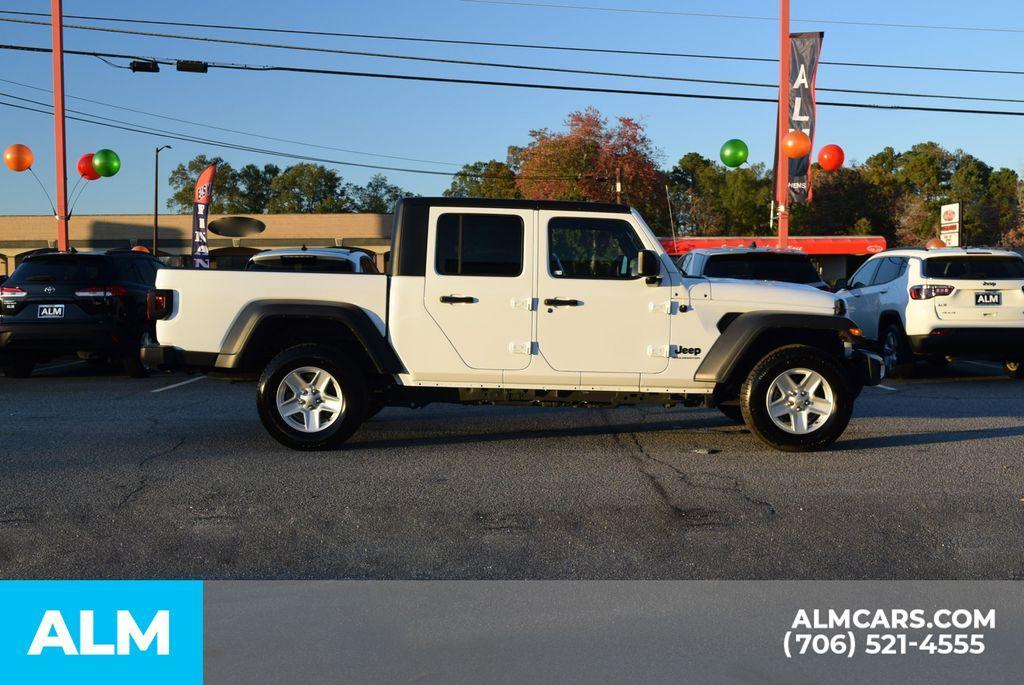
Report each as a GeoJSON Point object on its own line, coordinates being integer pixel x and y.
{"type": "Point", "coordinates": [49, 290]}
{"type": "Point", "coordinates": [987, 283]}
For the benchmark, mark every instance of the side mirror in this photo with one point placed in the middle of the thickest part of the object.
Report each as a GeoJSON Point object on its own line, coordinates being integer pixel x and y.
{"type": "Point", "coordinates": [648, 264]}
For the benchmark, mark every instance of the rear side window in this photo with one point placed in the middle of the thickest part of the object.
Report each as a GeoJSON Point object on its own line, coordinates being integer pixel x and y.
{"type": "Point", "coordinates": [592, 248]}
{"type": "Point", "coordinates": [973, 268]}
{"type": "Point", "coordinates": [889, 269]}
{"type": "Point", "coordinates": [301, 263]}
{"type": "Point", "coordinates": [62, 270]}
{"type": "Point", "coordinates": [763, 267]}
{"type": "Point", "coordinates": [479, 245]}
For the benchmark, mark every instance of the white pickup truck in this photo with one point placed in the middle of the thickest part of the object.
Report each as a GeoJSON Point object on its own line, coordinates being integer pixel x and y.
{"type": "Point", "coordinates": [528, 302]}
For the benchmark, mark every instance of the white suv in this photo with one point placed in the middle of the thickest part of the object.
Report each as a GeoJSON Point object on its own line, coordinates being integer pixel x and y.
{"type": "Point", "coordinates": [935, 304]}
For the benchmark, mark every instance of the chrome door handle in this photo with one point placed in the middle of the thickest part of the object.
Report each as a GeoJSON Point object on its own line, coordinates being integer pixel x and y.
{"type": "Point", "coordinates": [559, 302]}
{"type": "Point", "coordinates": [457, 299]}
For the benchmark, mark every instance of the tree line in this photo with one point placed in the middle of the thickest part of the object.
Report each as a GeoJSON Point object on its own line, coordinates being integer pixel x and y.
{"type": "Point", "coordinates": [895, 194]}
{"type": "Point", "coordinates": [299, 189]}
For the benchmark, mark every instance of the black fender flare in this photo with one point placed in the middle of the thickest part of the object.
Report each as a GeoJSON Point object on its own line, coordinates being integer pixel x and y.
{"type": "Point", "coordinates": [745, 329]}
{"type": "Point", "coordinates": [353, 317]}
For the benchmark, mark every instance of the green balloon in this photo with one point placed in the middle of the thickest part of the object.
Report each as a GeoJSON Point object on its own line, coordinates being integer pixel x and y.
{"type": "Point", "coordinates": [734, 152]}
{"type": "Point", "coordinates": [106, 163]}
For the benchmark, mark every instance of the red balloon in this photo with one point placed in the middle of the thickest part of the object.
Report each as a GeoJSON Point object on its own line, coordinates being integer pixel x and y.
{"type": "Point", "coordinates": [18, 157]}
{"type": "Point", "coordinates": [831, 157]}
{"type": "Point", "coordinates": [796, 144]}
{"type": "Point", "coordinates": [85, 169]}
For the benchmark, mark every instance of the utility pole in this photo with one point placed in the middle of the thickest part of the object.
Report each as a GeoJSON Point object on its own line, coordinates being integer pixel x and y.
{"type": "Point", "coordinates": [156, 197]}
{"type": "Point", "coordinates": [618, 185]}
{"type": "Point", "coordinates": [59, 143]}
{"type": "Point", "coordinates": [782, 172]}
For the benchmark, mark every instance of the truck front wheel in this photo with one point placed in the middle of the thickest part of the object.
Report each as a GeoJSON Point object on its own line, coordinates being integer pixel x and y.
{"type": "Point", "coordinates": [797, 399]}
{"type": "Point", "coordinates": [311, 398]}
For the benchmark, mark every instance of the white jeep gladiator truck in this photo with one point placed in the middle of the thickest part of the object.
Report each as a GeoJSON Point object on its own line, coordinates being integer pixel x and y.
{"type": "Point", "coordinates": [506, 301]}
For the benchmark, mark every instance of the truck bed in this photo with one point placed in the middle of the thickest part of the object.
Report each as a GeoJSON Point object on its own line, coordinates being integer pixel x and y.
{"type": "Point", "coordinates": [213, 300]}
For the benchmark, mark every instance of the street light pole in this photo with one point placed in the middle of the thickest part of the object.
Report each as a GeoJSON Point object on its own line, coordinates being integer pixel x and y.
{"type": "Point", "coordinates": [156, 197]}
{"type": "Point", "coordinates": [782, 170]}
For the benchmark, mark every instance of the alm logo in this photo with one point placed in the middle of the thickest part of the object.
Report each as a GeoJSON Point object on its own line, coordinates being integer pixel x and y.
{"type": "Point", "coordinates": [53, 633]}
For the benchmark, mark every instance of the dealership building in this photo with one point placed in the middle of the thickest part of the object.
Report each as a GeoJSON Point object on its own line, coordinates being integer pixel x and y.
{"type": "Point", "coordinates": [22, 235]}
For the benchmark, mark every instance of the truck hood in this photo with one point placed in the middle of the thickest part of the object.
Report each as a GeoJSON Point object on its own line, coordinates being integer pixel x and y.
{"type": "Point", "coordinates": [773, 295]}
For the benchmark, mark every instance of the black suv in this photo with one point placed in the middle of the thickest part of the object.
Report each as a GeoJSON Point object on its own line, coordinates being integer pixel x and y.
{"type": "Point", "coordinates": [92, 304]}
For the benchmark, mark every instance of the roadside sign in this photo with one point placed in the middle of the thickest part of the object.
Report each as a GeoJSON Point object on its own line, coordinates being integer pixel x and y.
{"type": "Point", "coordinates": [949, 224]}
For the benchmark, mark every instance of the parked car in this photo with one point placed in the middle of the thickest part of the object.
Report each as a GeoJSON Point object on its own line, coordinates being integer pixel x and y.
{"type": "Point", "coordinates": [938, 304]}
{"type": "Point", "coordinates": [88, 303]}
{"type": "Point", "coordinates": [335, 260]}
{"type": "Point", "coordinates": [516, 302]}
{"type": "Point", "coordinates": [752, 264]}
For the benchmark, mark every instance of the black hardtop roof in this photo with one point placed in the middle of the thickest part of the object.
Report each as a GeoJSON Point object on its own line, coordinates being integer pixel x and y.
{"type": "Point", "coordinates": [488, 203]}
{"type": "Point", "coordinates": [116, 251]}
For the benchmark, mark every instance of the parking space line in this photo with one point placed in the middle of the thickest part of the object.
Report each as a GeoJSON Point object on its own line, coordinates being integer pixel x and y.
{"type": "Point", "coordinates": [178, 385]}
{"type": "Point", "coordinates": [60, 366]}
{"type": "Point", "coordinates": [886, 387]}
{"type": "Point", "coordinates": [987, 365]}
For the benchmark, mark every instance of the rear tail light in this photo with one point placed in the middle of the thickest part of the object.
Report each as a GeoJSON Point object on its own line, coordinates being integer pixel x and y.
{"type": "Point", "coordinates": [927, 292]}
{"type": "Point", "coordinates": [102, 291]}
{"type": "Point", "coordinates": [159, 304]}
{"type": "Point", "coordinates": [11, 291]}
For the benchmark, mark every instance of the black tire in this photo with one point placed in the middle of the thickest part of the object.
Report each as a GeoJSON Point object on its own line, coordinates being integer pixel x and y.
{"type": "Point", "coordinates": [899, 364]}
{"type": "Point", "coordinates": [1014, 369]}
{"type": "Point", "coordinates": [18, 367]}
{"type": "Point", "coordinates": [350, 384]}
{"type": "Point", "coordinates": [733, 412]}
{"type": "Point", "coordinates": [756, 390]}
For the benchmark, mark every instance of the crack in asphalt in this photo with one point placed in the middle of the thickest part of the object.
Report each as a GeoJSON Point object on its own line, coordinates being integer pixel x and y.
{"type": "Point", "coordinates": [143, 480]}
{"type": "Point", "coordinates": [641, 454]}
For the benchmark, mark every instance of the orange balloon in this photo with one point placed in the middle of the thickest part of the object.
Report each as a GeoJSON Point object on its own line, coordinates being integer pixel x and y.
{"type": "Point", "coordinates": [935, 244]}
{"type": "Point", "coordinates": [796, 144]}
{"type": "Point", "coordinates": [140, 248]}
{"type": "Point", "coordinates": [18, 157]}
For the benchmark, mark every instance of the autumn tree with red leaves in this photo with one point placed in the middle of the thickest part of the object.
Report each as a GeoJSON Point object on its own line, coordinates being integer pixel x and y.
{"type": "Point", "coordinates": [581, 164]}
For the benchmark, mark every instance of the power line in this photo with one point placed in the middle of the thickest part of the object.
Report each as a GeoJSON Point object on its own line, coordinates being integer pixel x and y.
{"type": "Point", "coordinates": [531, 86]}
{"type": "Point", "coordinates": [502, 65]}
{"type": "Point", "coordinates": [711, 15]}
{"type": "Point", "coordinates": [131, 127]}
{"type": "Point", "coordinates": [228, 130]}
{"type": "Point", "coordinates": [522, 46]}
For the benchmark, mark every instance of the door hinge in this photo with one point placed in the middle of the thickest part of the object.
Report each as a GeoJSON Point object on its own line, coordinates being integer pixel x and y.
{"type": "Point", "coordinates": [659, 350]}
{"type": "Point", "coordinates": [667, 307]}
{"type": "Point", "coordinates": [527, 304]}
{"type": "Point", "coordinates": [521, 347]}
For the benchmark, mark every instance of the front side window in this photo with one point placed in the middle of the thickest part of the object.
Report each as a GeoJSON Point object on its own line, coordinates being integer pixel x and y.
{"type": "Point", "coordinates": [479, 245]}
{"type": "Point", "coordinates": [865, 275]}
{"type": "Point", "coordinates": [592, 248]}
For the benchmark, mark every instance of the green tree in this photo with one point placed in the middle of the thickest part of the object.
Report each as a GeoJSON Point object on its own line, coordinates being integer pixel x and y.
{"type": "Point", "coordinates": [491, 179]}
{"type": "Point", "coordinates": [308, 189]}
{"type": "Point", "coordinates": [378, 196]}
{"type": "Point", "coordinates": [254, 189]}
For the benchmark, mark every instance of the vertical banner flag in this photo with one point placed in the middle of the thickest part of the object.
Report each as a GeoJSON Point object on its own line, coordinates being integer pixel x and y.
{"type": "Point", "coordinates": [200, 212]}
{"type": "Point", "coordinates": [804, 51]}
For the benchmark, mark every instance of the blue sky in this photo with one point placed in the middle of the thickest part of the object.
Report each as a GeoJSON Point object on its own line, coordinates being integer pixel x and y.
{"type": "Point", "coordinates": [463, 123]}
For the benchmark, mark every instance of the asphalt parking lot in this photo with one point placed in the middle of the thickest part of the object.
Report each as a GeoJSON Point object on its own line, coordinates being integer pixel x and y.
{"type": "Point", "coordinates": [102, 476]}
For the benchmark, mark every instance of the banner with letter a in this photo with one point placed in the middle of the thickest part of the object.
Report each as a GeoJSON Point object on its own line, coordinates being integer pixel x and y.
{"type": "Point", "coordinates": [200, 212]}
{"type": "Point", "coordinates": [804, 52]}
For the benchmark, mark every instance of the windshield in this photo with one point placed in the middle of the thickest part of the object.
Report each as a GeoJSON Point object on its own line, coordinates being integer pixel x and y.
{"type": "Point", "coordinates": [61, 269]}
{"type": "Point", "coordinates": [307, 263]}
{"type": "Point", "coordinates": [788, 268]}
{"type": "Point", "coordinates": [973, 268]}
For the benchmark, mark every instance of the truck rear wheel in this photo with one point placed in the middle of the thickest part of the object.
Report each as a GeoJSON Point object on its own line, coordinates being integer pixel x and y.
{"type": "Point", "coordinates": [311, 398]}
{"type": "Point", "coordinates": [797, 399]}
